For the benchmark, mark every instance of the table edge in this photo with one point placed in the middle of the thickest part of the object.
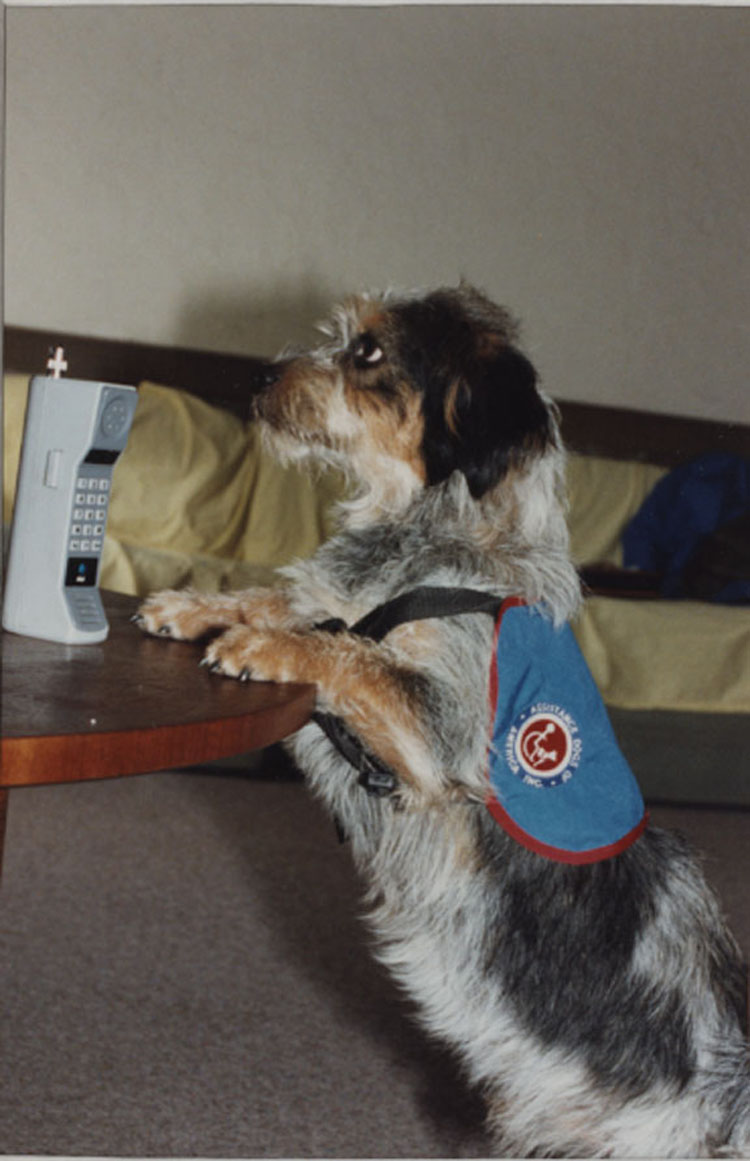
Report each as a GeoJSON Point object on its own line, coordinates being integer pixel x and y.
{"type": "Point", "coordinates": [76, 757]}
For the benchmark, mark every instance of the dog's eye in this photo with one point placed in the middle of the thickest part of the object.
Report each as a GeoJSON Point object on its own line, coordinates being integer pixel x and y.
{"type": "Point", "coordinates": [366, 352]}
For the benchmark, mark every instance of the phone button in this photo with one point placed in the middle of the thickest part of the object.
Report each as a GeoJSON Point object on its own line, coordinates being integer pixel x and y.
{"type": "Point", "coordinates": [81, 571]}
{"type": "Point", "coordinates": [52, 468]}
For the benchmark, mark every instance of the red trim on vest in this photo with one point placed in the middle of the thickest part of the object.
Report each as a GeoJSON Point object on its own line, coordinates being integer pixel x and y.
{"type": "Point", "coordinates": [576, 858]}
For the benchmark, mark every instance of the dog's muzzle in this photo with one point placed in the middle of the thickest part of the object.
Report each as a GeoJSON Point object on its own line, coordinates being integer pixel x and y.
{"type": "Point", "coordinates": [266, 378]}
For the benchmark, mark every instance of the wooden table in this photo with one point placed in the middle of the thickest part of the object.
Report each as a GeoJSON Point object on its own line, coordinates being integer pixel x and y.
{"type": "Point", "coordinates": [128, 705]}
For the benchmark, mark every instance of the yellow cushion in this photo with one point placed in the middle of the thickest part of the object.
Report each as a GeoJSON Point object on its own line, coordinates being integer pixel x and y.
{"type": "Point", "coordinates": [15, 393]}
{"type": "Point", "coordinates": [603, 496]}
{"type": "Point", "coordinates": [660, 655]}
{"type": "Point", "coordinates": [195, 480]}
{"type": "Point", "coordinates": [182, 480]}
{"type": "Point", "coordinates": [135, 569]}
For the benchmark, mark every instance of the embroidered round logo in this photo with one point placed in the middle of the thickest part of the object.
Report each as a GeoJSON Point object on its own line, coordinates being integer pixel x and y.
{"type": "Point", "coordinates": [543, 746]}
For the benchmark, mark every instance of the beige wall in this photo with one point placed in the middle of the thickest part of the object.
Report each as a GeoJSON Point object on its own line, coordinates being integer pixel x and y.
{"type": "Point", "coordinates": [213, 177]}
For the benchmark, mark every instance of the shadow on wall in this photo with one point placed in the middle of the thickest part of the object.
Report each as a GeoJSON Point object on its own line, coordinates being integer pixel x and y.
{"type": "Point", "coordinates": [242, 321]}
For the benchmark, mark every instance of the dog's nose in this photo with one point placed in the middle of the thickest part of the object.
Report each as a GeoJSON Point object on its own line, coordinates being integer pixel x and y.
{"type": "Point", "coordinates": [269, 374]}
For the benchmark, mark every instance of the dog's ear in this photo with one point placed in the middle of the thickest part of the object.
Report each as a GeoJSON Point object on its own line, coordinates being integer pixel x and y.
{"type": "Point", "coordinates": [484, 416]}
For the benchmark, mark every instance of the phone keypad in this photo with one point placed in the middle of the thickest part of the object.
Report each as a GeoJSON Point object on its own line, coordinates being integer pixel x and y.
{"type": "Point", "coordinates": [89, 515]}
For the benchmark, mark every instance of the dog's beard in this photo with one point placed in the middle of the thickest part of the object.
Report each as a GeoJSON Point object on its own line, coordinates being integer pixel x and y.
{"type": "Point", "coordinates": [288, 448]}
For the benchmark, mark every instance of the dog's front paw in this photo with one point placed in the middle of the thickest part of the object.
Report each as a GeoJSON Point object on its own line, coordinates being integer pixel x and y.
{"type": "Point", "coordinates": [251, 654]}
{"type": "Point", "coordinates": [182, 614]}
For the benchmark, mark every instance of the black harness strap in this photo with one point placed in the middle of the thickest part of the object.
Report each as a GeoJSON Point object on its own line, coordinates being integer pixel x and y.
{"type": "Point", "coordinates": [420, 604]}
{"type": "Point", "coordinates": [417, 604]}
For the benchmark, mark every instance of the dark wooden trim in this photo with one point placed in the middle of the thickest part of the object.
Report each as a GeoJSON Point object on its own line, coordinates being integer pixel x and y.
{"type": "Point", "coordinates": [622, 433]}
{"type": "Point", "coordinates": [229, 381]}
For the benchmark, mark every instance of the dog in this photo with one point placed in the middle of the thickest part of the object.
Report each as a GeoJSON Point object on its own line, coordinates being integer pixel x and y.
{"type": "Point", "coordinates": [596, 998]}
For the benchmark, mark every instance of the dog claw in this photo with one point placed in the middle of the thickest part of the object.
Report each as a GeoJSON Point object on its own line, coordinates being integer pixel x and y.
{"type": "Point", "coordinates": [164, 631]}
{"type": "Point", "coordinates": [138, 620]}
{"type": "Point", "coordinates": [244, 675]}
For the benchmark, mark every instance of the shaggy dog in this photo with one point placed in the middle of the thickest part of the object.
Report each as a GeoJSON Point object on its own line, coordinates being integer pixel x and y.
{"type": "Point", "coordinates": [595, 996]}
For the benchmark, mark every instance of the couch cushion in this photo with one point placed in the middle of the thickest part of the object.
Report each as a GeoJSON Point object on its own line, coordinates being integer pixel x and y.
{"type": "Point", "coordinates": [603, 495]}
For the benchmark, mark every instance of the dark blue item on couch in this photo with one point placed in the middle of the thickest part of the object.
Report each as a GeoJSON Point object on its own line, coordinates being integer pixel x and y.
{"type": "Point", "coordinates": [688, 505]}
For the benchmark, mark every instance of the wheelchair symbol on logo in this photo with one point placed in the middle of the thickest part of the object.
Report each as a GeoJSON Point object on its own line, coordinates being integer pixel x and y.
{"type": "Point", "coordinates": [543, 747]}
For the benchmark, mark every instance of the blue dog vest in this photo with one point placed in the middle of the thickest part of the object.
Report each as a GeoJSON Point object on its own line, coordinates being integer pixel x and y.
{"type": "Point", "coordinates": [559, 783]}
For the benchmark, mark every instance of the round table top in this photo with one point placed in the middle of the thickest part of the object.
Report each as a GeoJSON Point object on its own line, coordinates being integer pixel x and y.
{"type": "Point", "coordinates": [128, 705]}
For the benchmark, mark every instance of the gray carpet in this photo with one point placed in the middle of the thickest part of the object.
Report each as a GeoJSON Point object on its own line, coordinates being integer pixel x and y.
{"type": "Point", "coordinates": [183, 973]}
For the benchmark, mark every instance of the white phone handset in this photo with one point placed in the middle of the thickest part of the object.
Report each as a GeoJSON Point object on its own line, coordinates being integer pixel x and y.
{"type": "Point", "coordinates": [74, 432]}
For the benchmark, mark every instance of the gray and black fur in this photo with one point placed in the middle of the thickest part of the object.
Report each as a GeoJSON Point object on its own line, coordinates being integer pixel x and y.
{"type": "Point", "coordinates": [600, 1008]}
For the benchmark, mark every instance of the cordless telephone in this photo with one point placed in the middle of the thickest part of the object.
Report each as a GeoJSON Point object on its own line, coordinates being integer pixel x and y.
{"type": "Point", "coordinates": [74, 432]}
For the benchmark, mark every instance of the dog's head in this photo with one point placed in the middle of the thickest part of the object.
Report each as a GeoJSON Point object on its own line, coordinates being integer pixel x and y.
{"type": "Point", "coordinates": [410, 390]}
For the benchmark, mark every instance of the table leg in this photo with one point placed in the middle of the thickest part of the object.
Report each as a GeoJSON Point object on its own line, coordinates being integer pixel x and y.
{"type": "Point", "coordinates": [3, 817]}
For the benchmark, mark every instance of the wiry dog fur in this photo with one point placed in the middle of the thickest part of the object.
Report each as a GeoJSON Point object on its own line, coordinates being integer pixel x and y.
{"type": "Point", "coordinates": [599, 1007]}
